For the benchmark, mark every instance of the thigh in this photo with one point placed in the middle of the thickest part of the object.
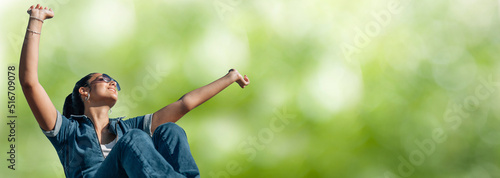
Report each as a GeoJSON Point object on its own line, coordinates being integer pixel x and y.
{"type": "Point", "coordinates": [111, 166]}
{"type": "Point", "coordinates": [171, 142]}
{"type": "Point", "coordinates": [134, 155]}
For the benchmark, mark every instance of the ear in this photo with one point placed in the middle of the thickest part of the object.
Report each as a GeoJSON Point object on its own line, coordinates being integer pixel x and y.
{"type": "Point", "coordinates": [84, 91]}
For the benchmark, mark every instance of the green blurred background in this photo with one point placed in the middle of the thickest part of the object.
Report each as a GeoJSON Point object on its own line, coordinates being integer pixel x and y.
{"type": "Point", "coordinates": [338, 88]}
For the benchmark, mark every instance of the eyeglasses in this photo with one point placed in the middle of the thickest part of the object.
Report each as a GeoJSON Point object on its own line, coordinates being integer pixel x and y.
{"type": "Point", "coordinates": [105, 78]}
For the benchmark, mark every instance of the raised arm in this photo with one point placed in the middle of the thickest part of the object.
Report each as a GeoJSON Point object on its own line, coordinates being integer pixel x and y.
{"type": "Point", "coordinates": [173, 112]}
{"type": "Point", "coordinates": [38, 100]}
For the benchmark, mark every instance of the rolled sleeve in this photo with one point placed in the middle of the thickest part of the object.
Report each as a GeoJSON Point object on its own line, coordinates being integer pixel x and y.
{"type": "Point", "coordinates": [147, 123]}
{"type": "Point", "coordinates": [140, 122]}
{"type": "Point", "coordinates": [55, 131]}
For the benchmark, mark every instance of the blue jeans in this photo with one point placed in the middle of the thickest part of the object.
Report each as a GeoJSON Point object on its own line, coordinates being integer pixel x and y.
{"type": "Point", "coordinates": [136, 154]}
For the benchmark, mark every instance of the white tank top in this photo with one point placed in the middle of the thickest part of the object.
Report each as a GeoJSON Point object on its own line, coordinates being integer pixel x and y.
{"type": "Point", "coordinates": [106, 148]}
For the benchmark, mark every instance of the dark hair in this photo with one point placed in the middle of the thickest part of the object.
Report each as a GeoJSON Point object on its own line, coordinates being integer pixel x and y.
{"type": "Point", "coordinates": [73, 105]}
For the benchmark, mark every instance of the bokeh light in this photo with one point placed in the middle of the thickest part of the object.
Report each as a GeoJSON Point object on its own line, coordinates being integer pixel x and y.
{"type": "Point", "coordinates": [338, 88]}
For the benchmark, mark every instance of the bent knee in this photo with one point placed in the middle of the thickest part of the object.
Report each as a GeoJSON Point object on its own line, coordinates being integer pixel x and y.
{"type": "Point", "coordinates": [169, 128]}
{"type": "Point", "coordinates": [136, 134]}
{"type": "Point", "coordinates": [134, 139]}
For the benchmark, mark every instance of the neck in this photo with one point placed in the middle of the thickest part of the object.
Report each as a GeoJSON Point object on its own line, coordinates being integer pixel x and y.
{"type": "Point", "coordinates": [99, 116]}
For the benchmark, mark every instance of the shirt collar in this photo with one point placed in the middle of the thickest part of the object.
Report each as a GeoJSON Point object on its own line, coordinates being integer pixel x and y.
{"type": "Point", "coordinates": [113, 122]}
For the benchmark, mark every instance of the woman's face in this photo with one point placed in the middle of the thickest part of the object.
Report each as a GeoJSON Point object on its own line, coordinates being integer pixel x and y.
{"type": "Point", "coordinates": [100, 90]}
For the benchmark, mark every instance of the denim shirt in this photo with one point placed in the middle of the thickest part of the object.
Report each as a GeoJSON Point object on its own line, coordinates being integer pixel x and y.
{"type": "Point", "coordinates": [76, 143]}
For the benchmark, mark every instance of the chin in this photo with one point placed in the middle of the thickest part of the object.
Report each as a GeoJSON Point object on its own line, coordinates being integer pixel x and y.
{"type": "Point", "coordinates": [113, 100]}
{"type": "Point", "coordinates": [114, 97]}
{"type": "Point", "coordinates": [112, 104]}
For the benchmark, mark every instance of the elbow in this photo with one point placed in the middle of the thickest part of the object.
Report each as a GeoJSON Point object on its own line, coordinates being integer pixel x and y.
{"type": "Point", "coordinates": [186, 104]}
{"type": "Point", "coordinates": [26, 85]}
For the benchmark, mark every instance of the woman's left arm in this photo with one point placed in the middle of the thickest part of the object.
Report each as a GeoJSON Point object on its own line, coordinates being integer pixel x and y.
{"type": "Point", "coordinates": [173, 112]}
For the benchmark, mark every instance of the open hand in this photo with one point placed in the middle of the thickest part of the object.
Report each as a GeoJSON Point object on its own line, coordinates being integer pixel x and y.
{"type": "Point", "coordinates": [40, 12]}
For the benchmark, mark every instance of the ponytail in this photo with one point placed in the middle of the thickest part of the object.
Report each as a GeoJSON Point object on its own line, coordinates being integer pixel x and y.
{"type": "Point", "coordinates": [73, 104]}
{"type": "Point", "coordinates": [68, 106]}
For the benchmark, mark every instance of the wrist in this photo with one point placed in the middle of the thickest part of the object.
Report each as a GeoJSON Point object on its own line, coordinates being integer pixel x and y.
{"type": "Point", "coordinates": [34, 24]}
{"type": "Point", "coordinates": [36, 18]}
{"type": "Point", "coordinates": [232, 75]}
{"type": "Point", "coordinates": [34, 27]}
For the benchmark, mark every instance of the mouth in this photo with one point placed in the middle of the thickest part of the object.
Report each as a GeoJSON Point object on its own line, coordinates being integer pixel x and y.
{"type": "Point", "coordinates": [112, 89]}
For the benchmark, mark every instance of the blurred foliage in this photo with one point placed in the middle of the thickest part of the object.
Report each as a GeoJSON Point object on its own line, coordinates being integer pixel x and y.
{"type": "Point", "coordinates": [338, 88]}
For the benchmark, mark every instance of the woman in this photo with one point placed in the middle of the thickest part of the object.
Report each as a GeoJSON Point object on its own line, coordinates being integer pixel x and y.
{"type": "Point", "coordinates": [89, 143]}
